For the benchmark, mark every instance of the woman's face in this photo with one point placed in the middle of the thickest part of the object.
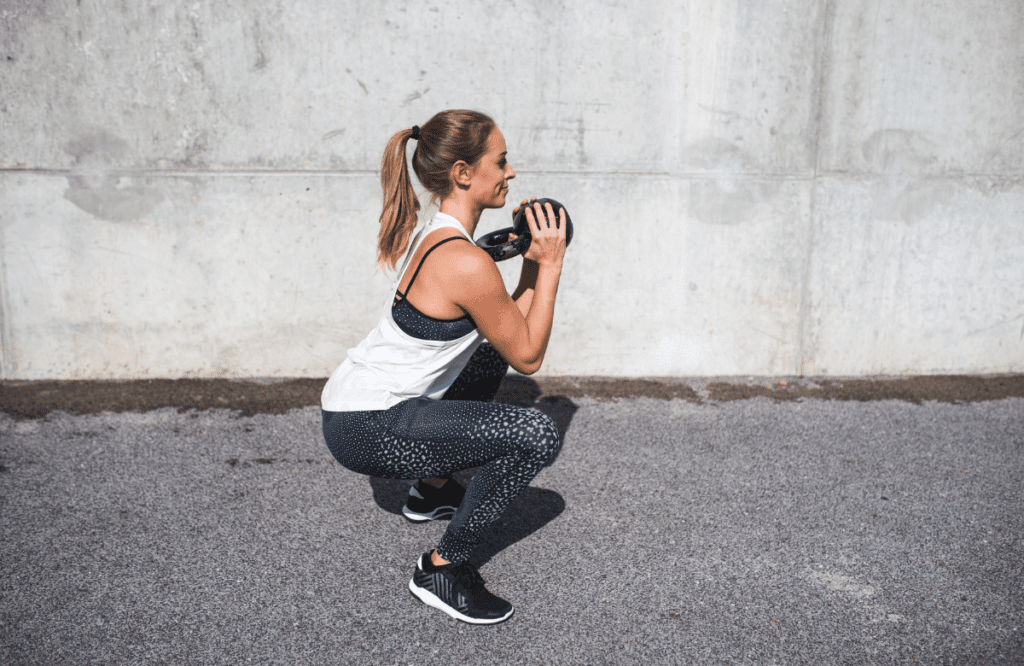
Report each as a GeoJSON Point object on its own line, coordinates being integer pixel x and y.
{"type": "Point", "coordinates": [491, 174]}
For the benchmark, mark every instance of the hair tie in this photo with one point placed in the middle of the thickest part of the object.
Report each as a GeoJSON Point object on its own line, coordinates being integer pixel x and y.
{"type": "Point", "coordinates": [416, 132]}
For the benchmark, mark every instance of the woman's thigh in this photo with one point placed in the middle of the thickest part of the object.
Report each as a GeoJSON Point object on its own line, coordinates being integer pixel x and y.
{"type": "Point", "coordinates": [423, 438]}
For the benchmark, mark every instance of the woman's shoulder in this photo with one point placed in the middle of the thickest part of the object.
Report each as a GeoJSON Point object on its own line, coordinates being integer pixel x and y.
{"type": "Point", "coordinates": [434, 234]}
{"type": "Point", "coordinates": [452, 254]}
{"type": "Point", "coordinates": [462, 252]}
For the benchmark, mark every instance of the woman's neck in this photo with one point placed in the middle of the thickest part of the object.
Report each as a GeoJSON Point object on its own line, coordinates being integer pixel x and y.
{"type": "Point", "coordinates": [463, 211]}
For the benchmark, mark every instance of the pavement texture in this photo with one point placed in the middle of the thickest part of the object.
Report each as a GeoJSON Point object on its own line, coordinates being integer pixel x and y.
{"type": "Point", "coordinates": [700, 521]}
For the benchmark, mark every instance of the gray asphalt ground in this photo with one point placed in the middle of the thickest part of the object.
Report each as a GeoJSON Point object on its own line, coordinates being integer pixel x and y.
{"type": "Point", "coordinates": [666, 532]}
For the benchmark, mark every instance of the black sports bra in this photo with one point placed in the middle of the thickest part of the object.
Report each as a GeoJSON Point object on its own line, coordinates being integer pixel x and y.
{"type": "Point", "coordinates": [422, 326]}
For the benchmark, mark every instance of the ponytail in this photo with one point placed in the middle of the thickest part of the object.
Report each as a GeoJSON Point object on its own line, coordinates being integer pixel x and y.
{"type": "Point", "coordinates": [399, 217]}
{"type": "Point", "coordinates": [449, 137]}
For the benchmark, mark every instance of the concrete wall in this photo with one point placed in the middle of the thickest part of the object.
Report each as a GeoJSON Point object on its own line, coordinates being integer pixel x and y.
{"type": "Point", "coordinates": [796, 187]}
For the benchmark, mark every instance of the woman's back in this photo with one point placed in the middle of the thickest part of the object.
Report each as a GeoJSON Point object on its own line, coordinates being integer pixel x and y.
{"type": "Point", "coordinates": [390, 364]}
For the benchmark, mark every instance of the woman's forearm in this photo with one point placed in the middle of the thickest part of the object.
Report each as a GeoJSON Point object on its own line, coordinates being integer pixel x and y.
{"type": "Point", "coordinates": [523, 295]}
{"type": "Point", "coordinates": [541, 315]}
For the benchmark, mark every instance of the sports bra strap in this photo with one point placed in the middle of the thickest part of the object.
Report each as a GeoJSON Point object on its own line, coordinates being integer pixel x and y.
{"type": "Point", "coordinates": [427, 254]}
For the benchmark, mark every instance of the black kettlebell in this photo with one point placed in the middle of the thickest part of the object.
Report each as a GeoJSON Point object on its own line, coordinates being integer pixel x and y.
{"type": "Point", "coordinates": [501, 248]}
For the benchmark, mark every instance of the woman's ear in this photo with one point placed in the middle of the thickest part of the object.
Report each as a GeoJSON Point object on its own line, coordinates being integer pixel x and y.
{"type": "Point", "coordinates": [461, 174]}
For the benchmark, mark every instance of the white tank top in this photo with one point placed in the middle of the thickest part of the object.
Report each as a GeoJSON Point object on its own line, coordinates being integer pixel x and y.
{"type": "Point", "coordinates": [390, 365]}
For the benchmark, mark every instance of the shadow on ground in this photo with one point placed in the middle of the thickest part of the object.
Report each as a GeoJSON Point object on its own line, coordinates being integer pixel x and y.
{"type": "Point", "coordinates": [532, 510]}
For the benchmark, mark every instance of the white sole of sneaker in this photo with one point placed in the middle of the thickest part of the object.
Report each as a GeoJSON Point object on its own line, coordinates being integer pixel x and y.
{"type": "Point", "coordinates": [444, 513]}
{"type": "Point", "coordinates": [431, 599]}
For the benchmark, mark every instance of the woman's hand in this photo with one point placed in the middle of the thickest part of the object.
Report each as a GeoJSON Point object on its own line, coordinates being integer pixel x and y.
{"type": "Point", "coordinates": [515, 211]}
{"type": "Point", "coordinates": [548, 232]}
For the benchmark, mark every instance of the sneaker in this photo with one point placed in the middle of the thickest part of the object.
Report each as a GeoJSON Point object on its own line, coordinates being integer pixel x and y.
{"type": "Point", "coordinates": [459, 591]}
{"type": "Point", "coordinates": [426, 502]}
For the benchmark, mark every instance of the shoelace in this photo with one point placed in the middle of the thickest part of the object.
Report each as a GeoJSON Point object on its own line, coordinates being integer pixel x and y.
{"type": "Point", "coordinates": [467, 576]}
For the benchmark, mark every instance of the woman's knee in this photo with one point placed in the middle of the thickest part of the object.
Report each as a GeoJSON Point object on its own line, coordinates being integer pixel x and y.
{"type": "Point", "coordinates": [543, 440]}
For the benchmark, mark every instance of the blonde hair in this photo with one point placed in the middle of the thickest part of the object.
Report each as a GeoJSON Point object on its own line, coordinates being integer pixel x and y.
{"type": "Point", "coordinates": [449, 137]}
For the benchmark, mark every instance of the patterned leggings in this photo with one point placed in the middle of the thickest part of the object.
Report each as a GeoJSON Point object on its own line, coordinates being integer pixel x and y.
{"type": "Point", "coordinates": [423, 438]}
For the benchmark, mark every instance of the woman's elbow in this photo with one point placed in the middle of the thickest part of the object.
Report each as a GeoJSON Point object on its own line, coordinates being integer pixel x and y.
{"type": "Point", "coordinates": [527, 368]}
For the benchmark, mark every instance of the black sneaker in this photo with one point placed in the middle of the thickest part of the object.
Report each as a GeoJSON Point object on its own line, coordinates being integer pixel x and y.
{"type": "Point", "coordinates": [426, 502]}
{"type": "Point", "coordinates": [458, 590]}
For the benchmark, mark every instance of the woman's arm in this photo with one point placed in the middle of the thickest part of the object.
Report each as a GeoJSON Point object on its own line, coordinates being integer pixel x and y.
{"type": "Point", "coordinates": [521, 337]}
{"type": "Point", "coordinates": [523, 295]}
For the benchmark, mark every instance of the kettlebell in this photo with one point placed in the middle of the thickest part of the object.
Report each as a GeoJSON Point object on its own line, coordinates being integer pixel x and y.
{"type": "Point", "coordinates": [498, 245]}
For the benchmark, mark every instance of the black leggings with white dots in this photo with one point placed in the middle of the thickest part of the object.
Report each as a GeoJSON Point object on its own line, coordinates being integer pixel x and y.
{"type": "Point", "coordinates": [423, 438]}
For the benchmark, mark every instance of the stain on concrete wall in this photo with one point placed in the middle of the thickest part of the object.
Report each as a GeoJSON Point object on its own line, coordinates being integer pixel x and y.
{"type": "Point", "coordinates": [733, 183]}
{"type": "Point", "coordinates": [100, 182]}
{"type": "Point", "coordinates": [903, 158]}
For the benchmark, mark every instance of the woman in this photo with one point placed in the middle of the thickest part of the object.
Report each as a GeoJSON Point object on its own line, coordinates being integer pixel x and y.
{"type": "Point", "coordinates": [413, 400]}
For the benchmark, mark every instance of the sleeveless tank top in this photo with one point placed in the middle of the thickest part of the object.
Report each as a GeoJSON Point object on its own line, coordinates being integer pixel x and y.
{"type": "Point", "coordinates": [392, 365]}
{"type": "Point", "coordinates": [423, 326]}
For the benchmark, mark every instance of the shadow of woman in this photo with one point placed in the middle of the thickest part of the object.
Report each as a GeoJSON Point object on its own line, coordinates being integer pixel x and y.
{"type": "Point", "coordinates": [534, 508]}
